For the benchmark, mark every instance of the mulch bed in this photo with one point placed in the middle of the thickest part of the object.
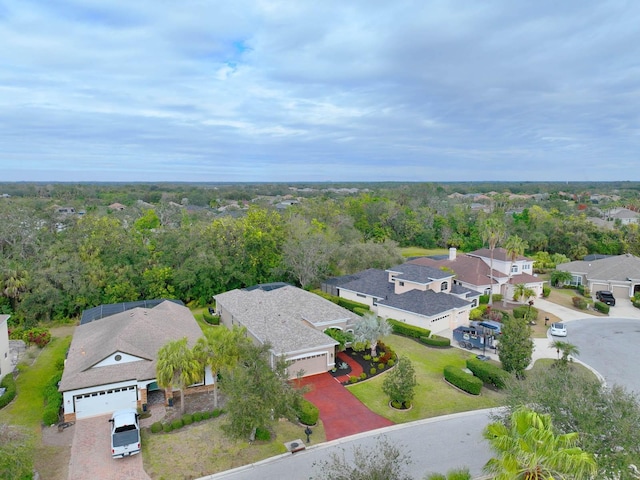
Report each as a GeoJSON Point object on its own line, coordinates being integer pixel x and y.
{"type": "Point", "coordinates": [366, 365]}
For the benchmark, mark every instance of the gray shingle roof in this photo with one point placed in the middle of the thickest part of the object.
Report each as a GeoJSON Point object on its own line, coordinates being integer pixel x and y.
{"type": "Point", "coordinates": [427, 303]}
{"type": "Point", "coordinates": [372, 282]}
{"type": "Point", "coordinates": [139, 332]}
{"type": "Point", "coordinates": [419, 273]}
{"type": "Point", "coordinates": [289, 318]}
{"type": "Point", "coordinates": [618, 268]}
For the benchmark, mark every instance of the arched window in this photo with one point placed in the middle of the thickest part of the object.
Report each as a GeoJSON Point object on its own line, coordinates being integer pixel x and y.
{"type": "Point", "coordinates": [444, 286]}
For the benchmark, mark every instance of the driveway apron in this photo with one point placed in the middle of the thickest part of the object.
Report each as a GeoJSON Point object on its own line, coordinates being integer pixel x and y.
{"type": "Point", "coordinates": [91, 454]}
{"type": "Point", "coordinates": [341, 413]}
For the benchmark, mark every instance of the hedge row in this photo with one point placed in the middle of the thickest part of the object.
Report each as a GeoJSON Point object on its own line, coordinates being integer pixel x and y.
{"type": "Point", "coordinates": [9, 383]}
{"type": "Point", "coordinates": [436, 341]}
{"type": "Point", "coordinates": [402, 328]}
{"type": "Point", "coordinates": [461, 379]}
{"type": "Point", "coordinates": [601, 307]}
{"type": "Point", "coordinates": [488, 372]}
{"type": "Point", "coordinates": [186, 419]}
{"type": "Point", "coordinates": [343, 302]}
{"type": "Point", "coordinates": [307, 412]}
{"type": "Point", "coordinates": [484, 299]}
{"type": "Point", "coordinates": [211, 319]}
{"type": "Point", "coordinates": [52, 401]}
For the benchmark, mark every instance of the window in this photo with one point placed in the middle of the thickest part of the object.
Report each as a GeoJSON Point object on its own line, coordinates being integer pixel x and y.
{"type": "Point", "coordinates": [526, 267]}
{"type": "Point", "coordinates": [361, 295]}
{"type": "Point", "coordinates": [401, 284]}
{"type": "Point", "coordinates": [444, 286]}
{"type": "Point", "coordinates": [474, 303]}
{"type": "Point", "coordinates": [117, 358]}
{"type": "Point", "coordinates": [514, 269]}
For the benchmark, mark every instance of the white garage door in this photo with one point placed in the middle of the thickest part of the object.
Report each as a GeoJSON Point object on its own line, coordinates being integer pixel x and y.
{"type": "Point", "coordinates": [310, 365]}
{"type": "Point", "coordinates": [621, 292]}
{"type": "Point", "coordinates": [105, 401]}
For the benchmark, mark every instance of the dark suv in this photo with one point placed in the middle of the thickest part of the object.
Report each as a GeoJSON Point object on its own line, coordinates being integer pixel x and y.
{"type": "Point", "coordinates": [606, 297]}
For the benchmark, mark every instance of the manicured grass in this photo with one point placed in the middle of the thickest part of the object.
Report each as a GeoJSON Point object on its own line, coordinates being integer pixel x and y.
{"type": "Point", "coordinates": [434, 396]}
{"type": "Point", "coordinates": [576, 368]}
{"type": "Point", "coordinates": [202, 449]}
{"type": "Point", "coordinates": [26, 409]}
{"type": "Point", "coordinates": [421, 252]}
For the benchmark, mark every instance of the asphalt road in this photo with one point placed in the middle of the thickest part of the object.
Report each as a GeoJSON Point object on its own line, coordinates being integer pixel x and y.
{"type": "Point", "coordinates": [610, 346]}
{"type": "Point", "coordinates": [434, 445]}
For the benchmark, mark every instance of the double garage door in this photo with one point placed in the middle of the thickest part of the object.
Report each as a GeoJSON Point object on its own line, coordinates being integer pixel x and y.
{"type": "Point", "coordinates": [310, 365]}
{"type": "Point", "coordinates": [105, 401]}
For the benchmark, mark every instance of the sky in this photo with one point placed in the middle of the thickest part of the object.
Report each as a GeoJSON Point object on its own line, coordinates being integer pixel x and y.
{"type": "Point", "coordinates": [325, 90]}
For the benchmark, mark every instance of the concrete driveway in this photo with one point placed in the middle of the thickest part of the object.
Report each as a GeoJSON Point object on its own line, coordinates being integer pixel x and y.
{"type": "Point", "coordinates": [91, 454]}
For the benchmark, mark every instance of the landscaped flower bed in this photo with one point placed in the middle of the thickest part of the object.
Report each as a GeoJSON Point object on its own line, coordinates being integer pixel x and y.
{"type": "Point", "coordinates": [371, 366]}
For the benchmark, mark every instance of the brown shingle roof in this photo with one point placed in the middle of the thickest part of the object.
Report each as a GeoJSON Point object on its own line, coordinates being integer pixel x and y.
{"type": "Point", "coordinates": [139, 332]}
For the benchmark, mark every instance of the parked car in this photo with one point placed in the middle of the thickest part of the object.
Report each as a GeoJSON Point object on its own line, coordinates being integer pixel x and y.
{"type": "Point", "coordinates": [558, 330]}
{"type": "Point", "coordinates": [125, 433]}
{"type": "Point", "coordinates": [606, 297]}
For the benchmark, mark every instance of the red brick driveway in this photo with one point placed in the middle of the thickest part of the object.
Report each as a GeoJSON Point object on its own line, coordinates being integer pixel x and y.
{"type": "Point", "coordinates": [91, 454]}
{"type": "Point", "coordinates": [341, 413]}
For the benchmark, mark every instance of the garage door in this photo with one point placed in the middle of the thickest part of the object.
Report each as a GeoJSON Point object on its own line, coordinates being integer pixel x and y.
{"type": "Point", "coordinates": [105, 401]}
{"type": "Point", "coordinates": [621, 293]}
{"type": "Point", "coordinates": [597, 287]}
{"type": "Point", "coordinates": [311, 365]}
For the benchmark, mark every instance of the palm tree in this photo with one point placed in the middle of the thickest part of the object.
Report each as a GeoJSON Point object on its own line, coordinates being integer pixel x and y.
{"type": "Point", "coordinates": [567, 349]}
{"type": "Point", "coordinates": [493, 232]}
{"type": "Point", "coordinates": [217, 349]}
{"type": "Point", "coordinates": [15, 284]}
{"type": "Point", "coordinates": [560, 277]}
{"type": "Point", "coordinates": [177, 367]}
{"type": "Point", "coordinates": [521, 291]}
{"type": "Point", "coordinates": [528, 449]}
{"type": "Point", "coordinates": [370, 329]}
{"type": "Point", "coordinates": [515, 247]}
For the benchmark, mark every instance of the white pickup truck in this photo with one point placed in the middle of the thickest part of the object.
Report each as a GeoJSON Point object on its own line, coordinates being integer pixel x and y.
{"type": "Point", "coordinates": [125, 433]}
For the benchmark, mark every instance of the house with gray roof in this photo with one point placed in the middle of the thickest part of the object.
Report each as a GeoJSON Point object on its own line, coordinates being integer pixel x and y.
{"type": "Point", "coordinates": [111, 363]}
{"type": "Point", "coordinates": [473, 270]}
{"type": "Point", "coordinates": [416, 294]}
{"type": "Point", "coordinates": [619, 274]}
{"type": "Point", "coordinates": [290, 320]}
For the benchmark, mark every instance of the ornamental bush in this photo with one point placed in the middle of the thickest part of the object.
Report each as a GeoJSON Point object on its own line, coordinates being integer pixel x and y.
{"type": "Point", "coordinates": [546, 291]}
{"type": "Point", "coordinates": [461, 379]}
{"type": "Point", "coordinates": [167, 428]}
{"type": "Point", "coordinates": [177, 423]}
{"type": "Point", "coordinates": [307, 412]}
{"type": "Point", "coordinates": [601, 307]}
{"type": "Point", "coordinates": [187, 419]}
{"type": "Point", "coordinates": [353, 379]}
{"type": "Point", "coordinates": [436, 341]}
{"type": "Point", "coordinates": [198, 416]}
{"type": "Point", "coordinates": [579, 302]}
{"type": "Point", "coordinates": [487, 372]}
{"type": "Point", "coordinates": [9, 383]}
{"type": "Point", "coordinates": [37, 336]}
{"type": "Point", "coordinates": [156, 427]}
{"type": "Point", "coordinates": [373, 371]}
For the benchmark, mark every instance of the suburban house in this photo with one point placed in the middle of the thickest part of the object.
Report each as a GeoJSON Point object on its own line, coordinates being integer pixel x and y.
{"type": "Point", "coordinates": [420, 295]}
{"type": "Point", "coordinates": [5, 358]}
{"type": "Point", "coordinates": [111, 363]}
{"type": "Point", "coordinates": [473, 270]}
{"type": "Point", "coordinates": [624, 215]}
{"type": "Point", "coordinates": [619, 274]}
{"type": "Point", "coordinates": [291, 320]}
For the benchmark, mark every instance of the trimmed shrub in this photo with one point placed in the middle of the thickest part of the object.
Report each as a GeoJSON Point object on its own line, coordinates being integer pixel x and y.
{"type": "Point", "coordinates": [579, 302]}
{"type": "Point", "coordinates": [476, 314]}
{"type": "Point", "coordinates": [601, 307]}
{"type": "Point", "coordinates": [9, 383]}
{"type": "Point", "coordinates": [361, 311]}
{"type": "Point", "coordinates": [436, 341]}
{"type": "Point", "coordinates": [366, 358]}
{"type": "Point", "coordinates": [216, 413]}
{"type": "Point", "coordinates": [546, 291]}
{"type": "Point", "coordinates": [52, 400]}
{"type": "Point", "coordinates": [497, 297]}
{"type": "Point", "coordinates": [176, 424]}
{"type": "Point", "coordinates": [351, 305]}
{"type": "Point", "coordinates": [391, 363]}
{"type": "Point", "coordinates": [363, 376]}
{"type": "Point", "coordinates": [187, 419]}
{"type": "Point", "coordinates": [373, 370]}
{"type": "Point", "coordinates": [156, 427]}
{"type": "Point", "coordinates": [353, 379]}
{"type": "Point", "coordinates": [211, 319]}
{"type": "Point", "coordinates": [198, 416]}
{"type": "Point", "coordinates": [484, 299]}
{"type": "Point", "coordinates": [307, 413]}
{"type": "Point", "coordinates": [488, 372]}
{"type": "Point", "coordinates": [206, 415]}
{"type": "Point", "coordinates": [166, 428]}
{"type": "Point", "coordinates": [381, 366]}
{"type": "Point", "coordinates": [461, 379]}
{"type": "Point", "coordinates": [263, 434]}
{"type": "Point", "coordinates": [402, 328]}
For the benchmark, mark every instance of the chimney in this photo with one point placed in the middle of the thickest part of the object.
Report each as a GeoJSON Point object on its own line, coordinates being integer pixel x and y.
{"type": "Point", "coordinates": [452, 253]}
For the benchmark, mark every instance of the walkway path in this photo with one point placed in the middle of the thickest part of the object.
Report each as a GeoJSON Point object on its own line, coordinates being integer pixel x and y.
{"type": "Point", "coordinates": [341, 413]}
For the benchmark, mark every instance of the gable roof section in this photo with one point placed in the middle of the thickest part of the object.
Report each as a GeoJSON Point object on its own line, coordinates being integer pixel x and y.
{"type": "Point", "coordinates": [619, 268]}
{"type": "Point", "coordinates": [471, 270]}
{"type": "Point", "coordinates": [372, 282]}
{"type": "Point", "coordinates": [499, 254]}
{"type": "Point", "coordinates": [427, 303]}
{"type": "Point", "coordinates": [417, 273]}
{"type": "Point", "coordinates": [285, 317]}
{"type": "Point", "coordinates": [102, 311]}
{"type": "Point", "coordinates": [140, 332]}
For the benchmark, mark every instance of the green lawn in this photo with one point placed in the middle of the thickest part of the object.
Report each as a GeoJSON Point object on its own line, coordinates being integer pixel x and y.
{"type": "Point", "coordinates": [26, 409]}
{"type": "Point", "coordinates": [421, 252]}
{"type": "Point", "coordinates": [434, 396]}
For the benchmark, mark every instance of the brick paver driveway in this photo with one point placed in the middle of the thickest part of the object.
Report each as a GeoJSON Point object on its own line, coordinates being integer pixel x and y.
{"type": "Point", "coordinates": [91, 454]}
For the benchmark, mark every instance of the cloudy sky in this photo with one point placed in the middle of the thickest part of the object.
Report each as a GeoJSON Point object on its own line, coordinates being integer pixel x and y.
{"type": "Point", "coordinates": [325, 90]}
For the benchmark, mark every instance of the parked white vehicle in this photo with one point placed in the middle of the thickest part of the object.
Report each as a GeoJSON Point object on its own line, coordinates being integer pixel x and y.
{"type": "Point", "coordinates": [558, 330]}
{"type": "Point", "coordinates": [125, 433]}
